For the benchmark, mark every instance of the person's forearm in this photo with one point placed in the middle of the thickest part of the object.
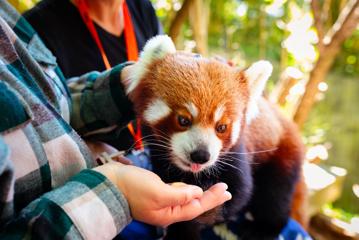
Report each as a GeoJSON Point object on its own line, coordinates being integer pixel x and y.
{"type": "Point", "coordinates": [99, 101]}
{"type": "Point", "coordinates": [88, 207]}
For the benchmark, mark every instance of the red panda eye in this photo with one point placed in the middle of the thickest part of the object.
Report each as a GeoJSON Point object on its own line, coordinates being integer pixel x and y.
{"type": "Point", "coordinates": [184, 121]}
{"type": "Point", "coordinates": [221, 128]}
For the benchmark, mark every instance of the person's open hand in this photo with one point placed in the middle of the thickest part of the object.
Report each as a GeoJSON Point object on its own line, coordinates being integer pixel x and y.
{"type": "Point", "coordinates": [155, 202]}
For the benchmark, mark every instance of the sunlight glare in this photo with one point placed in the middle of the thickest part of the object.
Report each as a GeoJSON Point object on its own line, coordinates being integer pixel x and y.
{"type": "Point", "coordinates": [242, 9]}
{"type": "Point", "coordinates": [317, 151]}
{"type": "Point", "coordinates": [323, 86]}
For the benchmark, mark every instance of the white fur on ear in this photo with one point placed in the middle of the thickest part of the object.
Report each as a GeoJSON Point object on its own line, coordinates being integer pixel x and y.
{"type": "Point", "coordinates": [155, 48]}
{"type": "Point", "coordinates": [257, 75]}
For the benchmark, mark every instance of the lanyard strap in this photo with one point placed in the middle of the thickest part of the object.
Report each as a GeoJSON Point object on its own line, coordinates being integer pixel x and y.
{"type": "Point", "coordinates": [130, 37]}
{"type": "Point", "coordinates": [131, 47]}
{"type": "Point", "coordinates": [137, 136]}
{"type": "Point", "coordinates": [83, 9]}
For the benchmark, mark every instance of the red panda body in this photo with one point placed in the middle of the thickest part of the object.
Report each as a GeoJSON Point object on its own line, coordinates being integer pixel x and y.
{"type": "Point", "coordinates": [210, 124]}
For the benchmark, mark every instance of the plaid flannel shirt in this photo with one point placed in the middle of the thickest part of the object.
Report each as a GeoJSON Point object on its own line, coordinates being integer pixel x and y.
{"type": "Point", "coordinates": [46, 187]}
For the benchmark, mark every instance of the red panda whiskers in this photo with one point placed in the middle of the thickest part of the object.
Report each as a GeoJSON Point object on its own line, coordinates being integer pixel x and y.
{"type": "Point", "coordinates": [222, 161]}
{"type": "Point", "coordinates": [234, 159]}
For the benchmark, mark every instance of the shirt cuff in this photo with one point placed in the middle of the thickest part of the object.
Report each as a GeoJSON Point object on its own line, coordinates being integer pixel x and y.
{"type": "Point", "coordinates": [103, 102]}
{"type": "Point", "coordinates": [118, 93]}
{"type": "Point", "coordinates": [96, 207]}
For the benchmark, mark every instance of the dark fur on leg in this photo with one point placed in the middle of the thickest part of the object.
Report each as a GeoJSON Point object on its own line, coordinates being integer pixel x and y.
{"type": "Point", "coordinates": [270, 213]}
{"type": "Point", "coordinates": [238, 177]}
{"type": "Point", "coordinates": [274, 183]}
{"type": "Point", "coordinates": [183, 230]}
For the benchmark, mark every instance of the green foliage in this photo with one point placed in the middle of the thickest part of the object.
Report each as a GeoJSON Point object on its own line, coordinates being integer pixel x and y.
{"type": "Point", "coordinates": [334, 122]}
{"type": "Point", "coordinates": [23, 5]}
{"type": "Point", "coordinates": [235, 28]}
{"type": "Point", "coordinates": [338, 213]}
{"type": "Point", "coordinates": [249, 30]}
{"type": "Point", "coordinates": [348, 60]}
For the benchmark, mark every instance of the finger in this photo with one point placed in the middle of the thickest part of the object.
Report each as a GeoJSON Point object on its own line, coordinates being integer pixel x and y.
{"type": "Point", "coordinates": [178, 194]}
{"type": "Point", "coordinates": [211, 198]}
{"type": "Point", "coordinates": [178, 184]}
{"type": "Point", "coordinates": [215, 196]}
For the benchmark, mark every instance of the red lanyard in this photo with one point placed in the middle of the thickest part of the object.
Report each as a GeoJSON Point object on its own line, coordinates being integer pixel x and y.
{"type": "Point", "coordinates": [131, 47]}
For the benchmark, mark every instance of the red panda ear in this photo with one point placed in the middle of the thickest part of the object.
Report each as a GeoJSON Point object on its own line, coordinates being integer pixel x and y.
{"type": "Point", "coordinates": [256, 75]}
{"type": "Point", "coordinates": [155, 48]}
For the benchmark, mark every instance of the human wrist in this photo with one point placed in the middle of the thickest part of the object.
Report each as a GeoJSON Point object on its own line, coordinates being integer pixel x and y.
{"type": "Point", "coordinates": [112, 171]}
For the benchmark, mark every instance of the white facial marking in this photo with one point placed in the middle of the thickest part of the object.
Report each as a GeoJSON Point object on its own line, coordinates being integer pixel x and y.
{"type": "Point", "coordinates": [236, 126]}
{"type": "Point", "coordinates": [156, 111]}
{"type": "Point", "coordinates": [184, 143]}
{"type": "Point", "coordinates": [155, 48]}
{"type": "Point", "coordinates": [219, 113]}
{"type": "Point", "coordinates": [257, 75]}
{"type": "Point", "coordinates": [192, 109]}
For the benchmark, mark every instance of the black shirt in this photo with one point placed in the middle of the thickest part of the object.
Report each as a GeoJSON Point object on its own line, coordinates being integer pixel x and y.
{"type": "Point", "coordinates": [60, 26]}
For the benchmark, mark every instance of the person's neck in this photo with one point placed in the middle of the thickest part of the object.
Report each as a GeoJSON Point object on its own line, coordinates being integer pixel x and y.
{"type": "Point", "coordinates": [107, 14]}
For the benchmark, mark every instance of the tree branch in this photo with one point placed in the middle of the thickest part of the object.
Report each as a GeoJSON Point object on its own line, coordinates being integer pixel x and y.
{"type": "Point", "coordinates": [179, 19]}
{"type": "Point", "coordinates": [326, 12]}
{"type": "Point", "coordinates": [316, 10]}
{"type": "Point", "coordinates": [344, 25]}
{"type": "Point", "coordinates": [199, 19]}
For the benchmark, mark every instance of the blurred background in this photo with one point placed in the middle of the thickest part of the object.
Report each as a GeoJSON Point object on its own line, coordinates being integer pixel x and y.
{"type": "Point", "coordinates": [314, 48]}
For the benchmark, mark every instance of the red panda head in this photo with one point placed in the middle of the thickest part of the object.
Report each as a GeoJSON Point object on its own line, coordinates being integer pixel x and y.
{"type": "Point", "coordinates": [195, 106]}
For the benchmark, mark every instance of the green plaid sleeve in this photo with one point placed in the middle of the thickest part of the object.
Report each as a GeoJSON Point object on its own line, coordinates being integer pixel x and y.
{"type": "Point", "coordinates": [86, 207]}
{"type": "Point", "coordinates": [99, 101]}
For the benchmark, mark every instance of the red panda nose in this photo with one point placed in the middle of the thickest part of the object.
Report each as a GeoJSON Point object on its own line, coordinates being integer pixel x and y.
{"type": "Point", "coordinates": [200, 156]}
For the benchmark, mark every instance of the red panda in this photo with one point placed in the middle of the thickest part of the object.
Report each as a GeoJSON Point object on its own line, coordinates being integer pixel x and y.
{"type": "Point", "coordinates": [210, 123]}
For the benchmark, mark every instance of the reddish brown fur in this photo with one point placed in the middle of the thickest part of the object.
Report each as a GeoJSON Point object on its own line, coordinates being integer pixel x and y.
{"type": "Point", "coordinates": [176, 85]}
{"type": "Point", "coordinates": [300, 203]}
{"type": "Point", "coordinates": [271, 131]}
{"type": "Point", "coordinates": [180, 78]}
